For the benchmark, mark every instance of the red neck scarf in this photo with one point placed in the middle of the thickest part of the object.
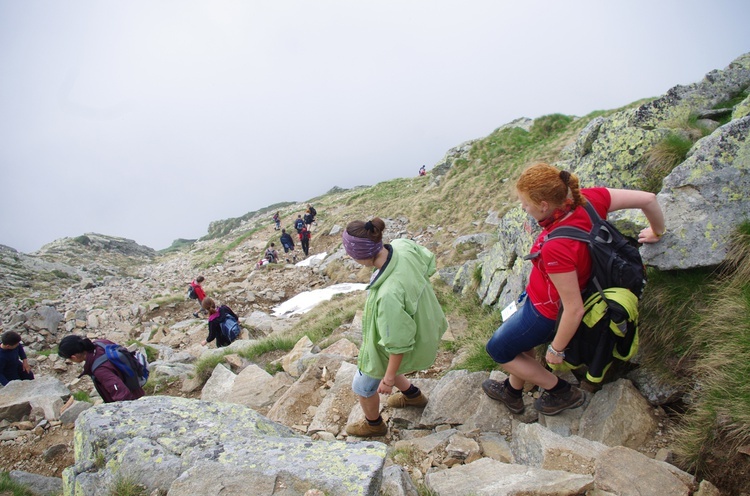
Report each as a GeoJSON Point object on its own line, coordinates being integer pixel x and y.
{"type": "Point", "coordinates": [557, 214]}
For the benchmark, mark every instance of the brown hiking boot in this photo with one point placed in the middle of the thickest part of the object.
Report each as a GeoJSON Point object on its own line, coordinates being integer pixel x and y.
{"type": "Point", "coordinates": [552, 404]}
{"type": "Point", "coordinates": [496, 391]}
{"type": "Point", "coordinates": [363, 428]}
{"type": "Point", "coordinates": [399, 400]}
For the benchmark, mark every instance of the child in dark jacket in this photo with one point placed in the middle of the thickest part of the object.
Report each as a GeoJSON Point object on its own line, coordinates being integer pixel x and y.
{"type": "Point", "coordinates": [107, 378]}
{"type": "Point", "coordinates": [215, 317]}
{"type": "Point", "coordinates": [13, 363]}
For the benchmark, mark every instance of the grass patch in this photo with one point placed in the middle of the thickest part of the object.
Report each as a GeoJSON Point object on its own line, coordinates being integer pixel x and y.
{"type": "Point", "coordinates": [662, 158]}
{"type": "Point", "coordinates": [718, 423]}
{"type": "Point", "coordinates": [207, 364]}
{"type": "Point", "coordinates": [159, 384]}
{"type": "Point", "coordinates": [11, 488]}
{"type": "Point", "coordinates": [82, 396]}
{"type": "Point", "coordinates": [219, 257]}
{"type": "Point", "coordinates": [125, 486]}
{"type": "Point", "coordinates": [51, 351]}
{"type": "Point", "coordinates": [481, 323]}
{"type": "Point", "coordinates": [669, 309]}
{"type": "Point", "coordinates": [166, 300]}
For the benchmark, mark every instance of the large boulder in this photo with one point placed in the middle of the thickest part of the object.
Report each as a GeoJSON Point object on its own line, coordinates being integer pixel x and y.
{"type": "Point", "coordinates": [180, 446]}
{"type": "Point", "coordinates": [45, 394]}
{"type": "Point", "coordinates": [713, 187]}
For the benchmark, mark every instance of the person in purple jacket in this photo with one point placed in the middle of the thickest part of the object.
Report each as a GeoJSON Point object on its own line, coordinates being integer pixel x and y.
{"type": "Point", "coordinates": [108, 380]}
{"type": "Point", "coordinates": [13, 363]}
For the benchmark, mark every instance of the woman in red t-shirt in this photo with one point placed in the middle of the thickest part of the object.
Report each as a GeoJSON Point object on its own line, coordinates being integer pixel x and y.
{"type": "Point", "coordinates": [558, 276]}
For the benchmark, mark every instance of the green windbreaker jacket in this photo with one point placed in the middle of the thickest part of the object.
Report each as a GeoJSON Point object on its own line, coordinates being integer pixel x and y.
{"type": "Point", "coordinates": [402, 314]}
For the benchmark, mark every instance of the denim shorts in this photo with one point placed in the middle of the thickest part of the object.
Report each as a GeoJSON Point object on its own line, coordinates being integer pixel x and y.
{"type": "Point", "coordinates": [523, 331]}
{"type": "Point", "coordinates": [364, 385]}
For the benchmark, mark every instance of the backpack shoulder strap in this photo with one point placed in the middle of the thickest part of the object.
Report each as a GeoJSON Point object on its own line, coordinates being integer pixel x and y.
{"type": "Point", "coordinates": [101, 358]}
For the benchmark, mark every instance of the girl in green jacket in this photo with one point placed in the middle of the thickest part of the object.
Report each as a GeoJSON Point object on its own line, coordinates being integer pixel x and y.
{"type": "Point", "coordinates": [401, 325]}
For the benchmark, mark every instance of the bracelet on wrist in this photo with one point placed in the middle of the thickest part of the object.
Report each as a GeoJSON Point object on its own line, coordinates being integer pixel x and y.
{"type": "Point", "coordinates": [659, 235]}
{"type": "Point", "coordinates": [554, 352]}
{"type": "Point", "coordinates": [389, 385]}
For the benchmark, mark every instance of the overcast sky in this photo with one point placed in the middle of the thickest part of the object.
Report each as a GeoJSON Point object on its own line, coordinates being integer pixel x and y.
{"type": "Point", "coordinates": [150, 119]}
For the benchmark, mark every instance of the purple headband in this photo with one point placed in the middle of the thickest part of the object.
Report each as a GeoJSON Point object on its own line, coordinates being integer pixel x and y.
{"type": "Point", "coordinates": [360, 248]}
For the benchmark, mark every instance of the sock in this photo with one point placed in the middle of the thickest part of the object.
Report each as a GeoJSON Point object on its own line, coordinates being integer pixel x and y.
{"type": "Point", "coordinates": [377, 421]}
{"type": "Point", "coordinates": [562, 386]}
{"type": "Point", "coordinates": [412, 392]}
{"type": "Point", "coordinates": [511, 390]}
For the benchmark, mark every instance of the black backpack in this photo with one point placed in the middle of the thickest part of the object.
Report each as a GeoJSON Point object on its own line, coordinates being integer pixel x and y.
{"type": "Point", "coordinates": [615, 259]}
{"type": "Point", "coordinates": [191, 293]}
{"type": "Point", "coordinates": [313, 212]}
{"type": "Point", "coordinates": [609, 327]}
{"type": "Point", "coordinates": [299, 224]}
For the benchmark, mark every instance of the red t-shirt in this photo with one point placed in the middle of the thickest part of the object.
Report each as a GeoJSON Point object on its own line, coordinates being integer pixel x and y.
{"type": "Point", "coordinates": [198, 291]}
{"type": "Point", "coordinates": [563, 255]}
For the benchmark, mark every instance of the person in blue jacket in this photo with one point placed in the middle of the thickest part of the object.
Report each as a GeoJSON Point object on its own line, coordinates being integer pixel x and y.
{"type": "Point", "coordinates": [13, 362]}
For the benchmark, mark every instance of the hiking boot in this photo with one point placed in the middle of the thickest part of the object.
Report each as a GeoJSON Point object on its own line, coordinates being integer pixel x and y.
{"type": "Point", "coordinates": [363, 428]}
{"type": "Point", "coordinates": [552, 404]}
{"type": "Point", "coordinates": [195, 314]}
{"type": "Point", "coordinates": [400, 400]}
{"type": "Point", "coordinates": [496, 391]}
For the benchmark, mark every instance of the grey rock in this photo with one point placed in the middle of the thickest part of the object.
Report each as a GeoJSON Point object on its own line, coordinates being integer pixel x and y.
{"type": "Point", "coordinates": [190, 447]}
{"type": "Point", "coordinates": [37, 484]}
{"type": "Point", "coordinates": [18, 398]}
{"type": "Point", "coordinates": [713, 184]}
{"type": "Point", "coordinates": [490, 477]}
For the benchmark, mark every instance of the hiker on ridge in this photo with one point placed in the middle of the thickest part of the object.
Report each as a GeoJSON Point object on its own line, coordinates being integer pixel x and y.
{"type": "Point", "coordinates": [107, 378]}
{"type": "Point", "coordinates": [271, 255]}
{"type": "Point", "coordinates": [304, 240]}
{"type": "Point", "coordinates": [277, 221]}
{"type": "Point", "coordinates": [288, 243]}
{"type": "Point", "coordinates": [402, 322]}
{"type": "Point", "coordinates": [215, 316]}
{"type": "Point", "coordinates": [299, 223]}
{"type": "Point", "coordinates": [13, 362]}
{"type": "Point", "coordinates": [197, 289]}
{"type": "Point", "coordinates": [308, 218]}
{"type": "Point", "coordinates": [558, 275]}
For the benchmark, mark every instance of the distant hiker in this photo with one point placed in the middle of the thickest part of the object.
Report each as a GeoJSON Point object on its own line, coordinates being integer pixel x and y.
{"type": "Point", "coordinates": [195, 292]}
{"type": "Point", "coordinates": [271, 255]}
{"type": "Point", "coordinates": [299, 223]}
{"type": "Point", "coordinates": [288, 243]}
{"type": "Point", "coordinates": [14, 365]}
{"type": "Point", "coordinates": [313, 212]}
{"type": "Point", "coordinates": [108, 380]}
{"type": "Point", "coordinates": [422, 171]}
{"type": "Point", "coordinates": [223, 324]}
{"type": "Point", "coordinates": [559, 273]}
{"type": "Point", "coordinates": [277, 221]}
{"type": "Point", "coordinates": [402, 322]}
{"type": "Point", "coordinates": [308, 218]}
{"type": "Point", "coordinates": [304, 240]}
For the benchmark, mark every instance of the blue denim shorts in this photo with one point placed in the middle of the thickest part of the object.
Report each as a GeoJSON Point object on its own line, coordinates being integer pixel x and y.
{"type": "Point", "coordinates": [364, 385]}
{"type": "Point", "coordinates": [523, 331]}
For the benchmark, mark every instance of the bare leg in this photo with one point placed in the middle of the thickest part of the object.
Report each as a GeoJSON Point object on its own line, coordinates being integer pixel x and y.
{"type": "Point", "coordinates": [526, 368]}
{"type": "Point", "coordinates": [402, 383]}
{"type": "Point", "coordinates": [370, 406]}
